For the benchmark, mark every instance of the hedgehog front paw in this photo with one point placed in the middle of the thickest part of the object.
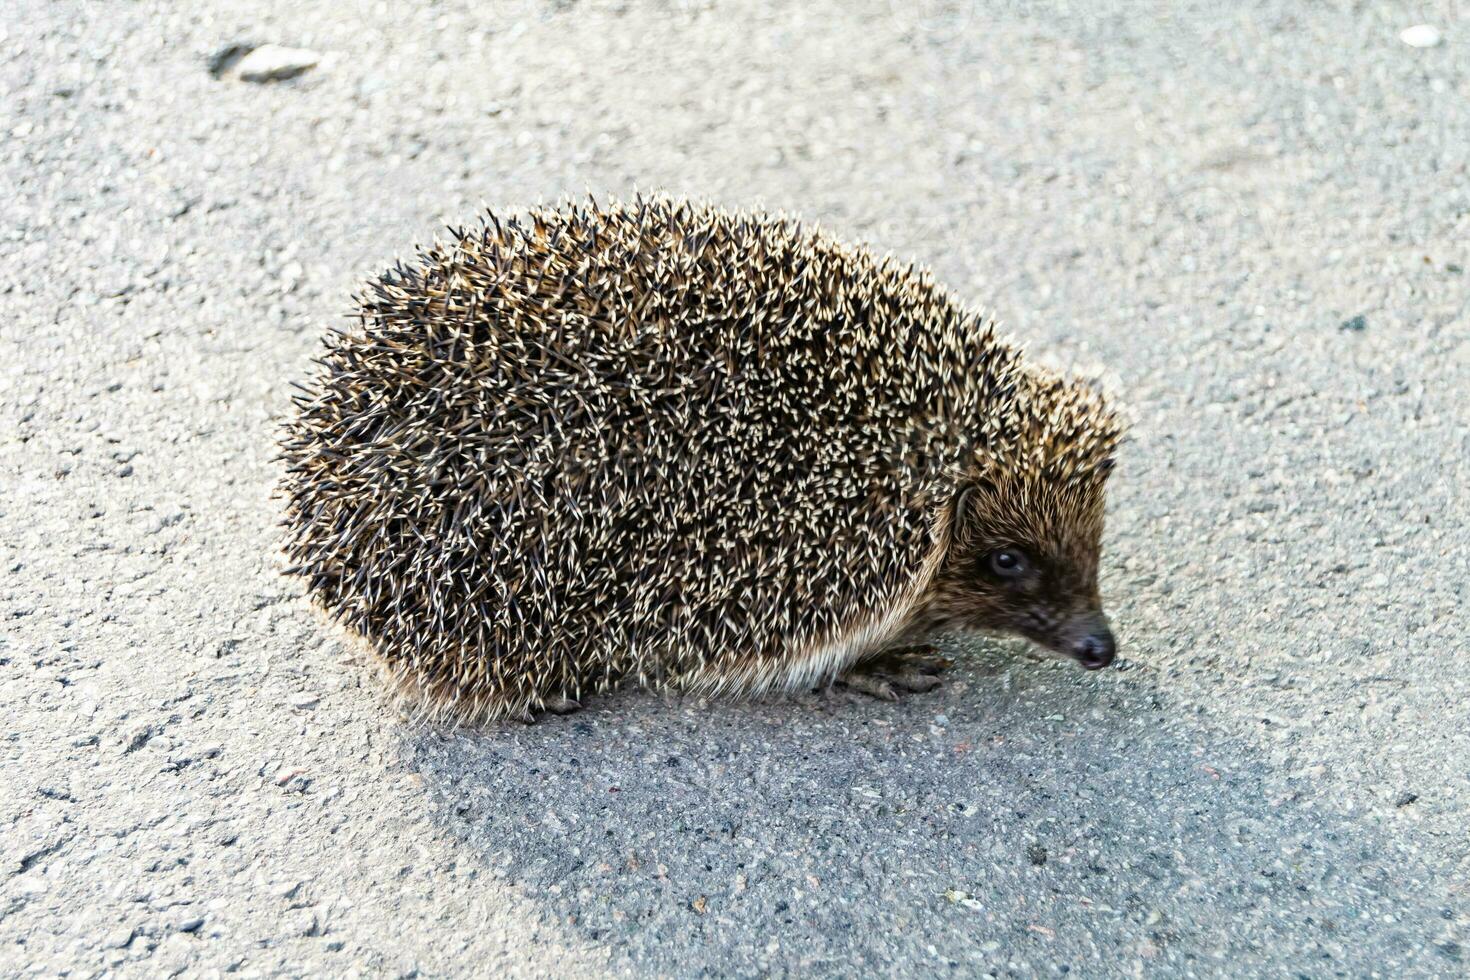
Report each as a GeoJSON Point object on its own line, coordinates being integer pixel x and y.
{"type": "Point", "coordinates": [557, 706]}
{"type": "Point", "coordinates": [906, 668]}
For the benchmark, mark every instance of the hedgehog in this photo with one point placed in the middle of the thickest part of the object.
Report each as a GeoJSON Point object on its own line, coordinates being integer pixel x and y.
{"type": "Point", "coordinates": [666, 444]}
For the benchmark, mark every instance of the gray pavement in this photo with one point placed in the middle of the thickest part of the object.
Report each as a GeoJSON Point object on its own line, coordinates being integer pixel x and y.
{"type": "Point", "coordinates": [1254, 218]}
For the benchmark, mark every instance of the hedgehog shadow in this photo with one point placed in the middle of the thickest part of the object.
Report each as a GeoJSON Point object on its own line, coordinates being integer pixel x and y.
{"type": "Point", "coordinates": [1026, 812]}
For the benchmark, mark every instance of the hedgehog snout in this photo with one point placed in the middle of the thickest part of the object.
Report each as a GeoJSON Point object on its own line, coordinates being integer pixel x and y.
{"type": "Point", "coordinates": [1096, 648]}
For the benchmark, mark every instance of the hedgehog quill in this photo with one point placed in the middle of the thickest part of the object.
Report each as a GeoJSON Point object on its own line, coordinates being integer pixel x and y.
{"type": "Point", "coordinates": [664, 444]}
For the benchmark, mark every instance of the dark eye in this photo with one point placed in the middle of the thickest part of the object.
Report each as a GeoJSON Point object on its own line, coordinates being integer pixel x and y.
{"type": "Point", "coordinates": [1007, 563]}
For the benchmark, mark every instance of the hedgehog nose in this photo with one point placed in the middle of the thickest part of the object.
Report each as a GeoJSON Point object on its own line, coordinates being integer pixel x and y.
{"type": "Point", "coordinates": [1097, 649]}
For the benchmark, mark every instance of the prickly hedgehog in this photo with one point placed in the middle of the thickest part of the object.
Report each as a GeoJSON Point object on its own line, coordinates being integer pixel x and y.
{"type": "Point", "coordinates": [663, 443]}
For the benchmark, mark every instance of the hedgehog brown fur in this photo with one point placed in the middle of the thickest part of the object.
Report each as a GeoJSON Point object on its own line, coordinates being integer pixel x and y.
{"type": "Point", "coordinates": [664, 443]}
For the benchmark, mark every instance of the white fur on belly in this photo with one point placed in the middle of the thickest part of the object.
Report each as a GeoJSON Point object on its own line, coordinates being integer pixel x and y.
{"type": "Point", "coordinates": [806, 668]}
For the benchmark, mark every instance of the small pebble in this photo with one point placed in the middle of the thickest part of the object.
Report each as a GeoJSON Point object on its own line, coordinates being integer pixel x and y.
{"type": "Point", "coordinates": [187, 922]}
{"type": "Point", "coordinates": [1421, 36]}
{"type": "Point", "coordinates": [291, 275]}
{"type": "Point", "coordinates": [138, 736]}
{"type": "Point", "coordinates": [302, 923]}
{"type": "Point", "coordinates": [304, 700]}
{"type": "Point", "coordinates": [118, 938]}
{"type": "Point", "coordinates": [275, 63]}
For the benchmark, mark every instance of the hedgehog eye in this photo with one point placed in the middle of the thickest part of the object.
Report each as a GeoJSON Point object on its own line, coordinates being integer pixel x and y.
{"type": "Point", "coordinates": [1007, 563]}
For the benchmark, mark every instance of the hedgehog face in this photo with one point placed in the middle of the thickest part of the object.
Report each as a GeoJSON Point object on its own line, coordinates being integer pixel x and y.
{"type": "Point", "coordinates": [1023, 560]}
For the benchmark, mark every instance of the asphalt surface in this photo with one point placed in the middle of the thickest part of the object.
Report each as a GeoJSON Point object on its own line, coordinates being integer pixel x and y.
{"type": "Point", "coordinates": [1253, 219]}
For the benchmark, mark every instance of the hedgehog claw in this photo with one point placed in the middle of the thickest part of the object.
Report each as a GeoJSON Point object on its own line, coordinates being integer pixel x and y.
{"type": "Point", "coordinates": [916, 681]}
{"type": "Point", "coordinates": [912, 669]}
{"type": "Point", "coordinates": [870, 685]}
{"type": "Point", "coordinates": [563, 706]}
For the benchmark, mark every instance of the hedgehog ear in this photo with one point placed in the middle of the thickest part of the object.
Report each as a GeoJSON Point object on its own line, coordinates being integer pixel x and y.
{"type": "Point", "coordinates": [963, 501]}
{"type": "Point", "coordinates": [968, 500]}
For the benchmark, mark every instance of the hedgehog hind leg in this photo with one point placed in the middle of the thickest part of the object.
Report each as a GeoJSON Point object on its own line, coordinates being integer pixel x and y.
{"type": "Point", "coordinates": [428, 695]}
{"type": "Point", "coordinates": [913, 668]}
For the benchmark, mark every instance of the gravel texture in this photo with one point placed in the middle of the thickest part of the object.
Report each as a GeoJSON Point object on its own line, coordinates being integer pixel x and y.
{"type": "Point", "coordinates": [1253, 216]}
